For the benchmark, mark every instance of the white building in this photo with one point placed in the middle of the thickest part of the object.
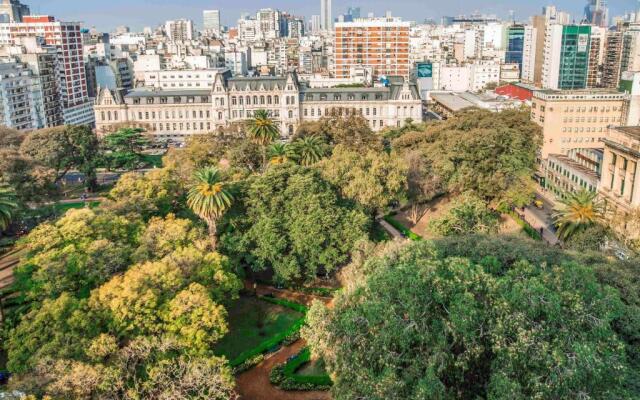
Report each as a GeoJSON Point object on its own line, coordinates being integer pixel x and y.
{"type": "Point", "coordinates": [180, 30]}
{"type": "Point", "coordinates": [529, 53]}
{"type": "Point", "coordinates": [20, 97]}
{"type": "Point", "coordinates": [326, 15]}
{"type": "Point", "coordinates": [211, 19]}
{"type": "Point", "coordinates": [552, 55]}
{"type": "Point", "coordinates": [181, 79]}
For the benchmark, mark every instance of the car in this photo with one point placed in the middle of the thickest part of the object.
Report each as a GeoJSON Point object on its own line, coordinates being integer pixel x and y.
{"type": "Point", "coordinates": [539, 204]}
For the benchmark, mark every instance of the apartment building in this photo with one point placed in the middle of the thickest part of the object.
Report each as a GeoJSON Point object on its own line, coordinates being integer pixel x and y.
{"type": "Point", "coordinates": [380, 43]}
{"type": "Point", "coordinates": [576, 119]}
{"type": "Point", "coordinates": [180, 30]}
{"type": "Point", "coordinates": [67, 39]}
{"type": "Point", "coordinates": [20, 97]}
{"type": "Point", "coordinates": [175, 114]}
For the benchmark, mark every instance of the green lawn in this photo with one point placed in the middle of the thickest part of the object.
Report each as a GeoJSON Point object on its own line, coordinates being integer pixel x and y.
{"type": "Point", "coordinates": [62, 208]}
{"type": "Point", "coordinates": [252, 321]}
{"type": "Point", "coordinates": [312, 368]}
{"type": "Point", "coordinates": [153, 160]}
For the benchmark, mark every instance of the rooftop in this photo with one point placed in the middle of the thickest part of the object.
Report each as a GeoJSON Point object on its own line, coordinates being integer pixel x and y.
{"type": "Point", "coordinates": [168, 93]}
{"type": "Point", "coordinates": [631, 131]}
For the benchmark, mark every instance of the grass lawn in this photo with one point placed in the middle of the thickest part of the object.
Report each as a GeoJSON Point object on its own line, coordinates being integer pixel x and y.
{"type": "Point", "coordinates": [153, 160]}
{"type": "Point", "coordinates": [312, 368]}
{"type": "Point", "coordinates": [251, 321]}
{"type": "Point", "coordinates": [62, 208]}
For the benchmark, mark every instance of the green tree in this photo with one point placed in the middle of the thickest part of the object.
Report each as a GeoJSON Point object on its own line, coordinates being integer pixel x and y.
{"type": "Point", "coordinates": [578, 211]}
{"type": "Point", "coordinates": [209, 198]}
{"type": "Point", "coordinates": [490, 154]}
{"type": "Point", "coordinates": [468, 215]}
{"type": "Point", "coordinates": [467, 330]}
{"type": "Point", "coordinates": [293, 223]}
{"type": "Point", "coordinates": [124, 148]}
{"type": "Point", "coordinates": [352, 131]}
{"type": "Point", "coordinates": [308, 150]}
{"type": "Point", "coordinates": [8, 206]}
{"type": "Point", "coordinates": [65, 148]}
{"type": "Point", "coordinates": [373, 179]}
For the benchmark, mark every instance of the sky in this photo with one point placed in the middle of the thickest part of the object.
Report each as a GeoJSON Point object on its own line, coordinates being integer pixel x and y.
{"type": "Point", "coordinates": [106, 15]}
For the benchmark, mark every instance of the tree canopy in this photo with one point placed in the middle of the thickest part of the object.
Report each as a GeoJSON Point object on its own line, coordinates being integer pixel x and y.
{"type": "Point", "coordinates": [422, 325]}
{"type": "Point", "coordinates": [294, 224]}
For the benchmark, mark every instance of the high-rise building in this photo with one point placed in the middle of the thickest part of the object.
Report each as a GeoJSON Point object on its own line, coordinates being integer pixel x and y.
{"type": "Point", "coordinates": [597, 13]}
{"type": "Point", "coordinates": [612, 60]}
{"type": "Point", "coordinates": [12, 11]}
{"type": "Point", "coordinates": [566, 56]}
{"type": "Point", "coordinates": [529, 53]}
{"type": "Point", "coordinates": [596, 57]}
{"type": "Point", "coordinates": [326, 15]}
{"type": "Point", "coordinates": [315, 24]}
{"type": "Point", "coordinates": [179, 30]}
{"type": "Point", "coordinates": [211, 20]}
{"type": "Point", "coordinates": [19, 97]}
{"type": "Point", "coordinates": [354, 12]}
{"type": "Point", "coordinates": [67, 39]}
{"type": "Point", "coordinates": [515, 45]}
{"type": "Point", "coordinates": [381, 44]}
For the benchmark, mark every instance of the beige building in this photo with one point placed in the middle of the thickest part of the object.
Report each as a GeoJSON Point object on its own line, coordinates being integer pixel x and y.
{"type": "Point", "coordinates": [576, 119]}
{"type": "Point", "coordinates": [175, 114]}
{"type": "Point", "coordinates": [619, 184]}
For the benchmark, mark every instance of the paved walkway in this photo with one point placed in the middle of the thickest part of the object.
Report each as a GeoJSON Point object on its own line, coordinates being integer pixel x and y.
{"type": "Point", "coordinates": [390, 229]}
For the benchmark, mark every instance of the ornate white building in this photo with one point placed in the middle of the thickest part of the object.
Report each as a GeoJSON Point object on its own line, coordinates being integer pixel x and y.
{"type": "Point", "coordinates": [174, 114]}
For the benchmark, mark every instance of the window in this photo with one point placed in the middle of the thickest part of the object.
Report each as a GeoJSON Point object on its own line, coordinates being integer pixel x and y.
{"type": "Point", "coordinates": [290, 114]}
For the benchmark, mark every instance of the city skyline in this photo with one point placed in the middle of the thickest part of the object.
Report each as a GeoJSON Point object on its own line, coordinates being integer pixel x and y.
{"type": "Point", "coordinates": [106, 16]}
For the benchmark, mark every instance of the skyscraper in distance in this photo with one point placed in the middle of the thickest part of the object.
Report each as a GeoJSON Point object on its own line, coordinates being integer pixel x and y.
{"type": "Point", "coordinates": [597, 13]}
{"type": "Point", "coordinates": [211, 20]}
{"type": "Point", "coordinates": [326, 15]}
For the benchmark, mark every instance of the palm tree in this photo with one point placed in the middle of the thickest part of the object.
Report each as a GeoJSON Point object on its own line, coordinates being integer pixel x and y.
{"type": "Point", "coordinates": [209, 198]}
{"type": "Point", "coordinates": [263, 131]}
{"type": "Point", "coordinates": [8, 206]}
{"type": "Point", "coordinates": [279, 153]}
{"type": "Point", "coordinates": [308, 150]}
{"type": "Point", "coordinates": [578, 211]}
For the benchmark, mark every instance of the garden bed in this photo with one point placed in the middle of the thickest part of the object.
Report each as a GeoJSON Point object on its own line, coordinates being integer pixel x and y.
{"type": "Point", "coordinates": [301, 373]}
{"type": "Point", "coordinates": [258, 326]}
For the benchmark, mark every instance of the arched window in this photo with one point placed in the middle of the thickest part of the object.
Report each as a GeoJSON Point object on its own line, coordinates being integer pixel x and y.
{"type": "Point", "coordinates": [241, 100]}
{"type": "Point", "coordinates": [290, 114]}
{"type": "Point", "coordinates": [269, 99]}
{"type": "Point", "coordinates": [255, 99]}
{"type": "Point", "coordinates": [109, 115]}
{"type": "Point", "coordinates": [248, 100]}
{"type": "Point", "coordinates": [290, 130]}
{"type": "Point", "coordinates": [233, 101]}
{"type": "Point", "coordinates": [261, 99]}
{"type": "Point", "coordinates": [103, 116]}
{"type": "Point", "coordinates": [220, 116]}
{"type": "Point", "coordinates": [276, 99]}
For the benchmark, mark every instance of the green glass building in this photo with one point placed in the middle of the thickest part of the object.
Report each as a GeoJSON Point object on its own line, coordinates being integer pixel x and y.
{"type": "Point", "coordinates": [574, 57]}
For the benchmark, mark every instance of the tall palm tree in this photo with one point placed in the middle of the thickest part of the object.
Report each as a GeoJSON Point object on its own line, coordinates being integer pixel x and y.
{"type": "Point", "coordinates": [578, 211]}
{"type": "Point", "coordinates": [279, 153]}
{"type": "Point", "coordinates": [263, 131]}
{"type": "Point", "coordinates": [8, 206]}
{"type": "Point", "coordinates": [209, 198]}
{"type": "Point", "coordinates": [308, 150]}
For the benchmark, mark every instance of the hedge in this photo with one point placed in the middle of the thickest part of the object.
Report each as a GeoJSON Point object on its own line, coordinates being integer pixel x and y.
{"type": "Point", "coordinates": [245, 359]}
{"type": "Point", "coordinates": [403, 229]}
{"type": "Point", "coordinates": [284, 375]}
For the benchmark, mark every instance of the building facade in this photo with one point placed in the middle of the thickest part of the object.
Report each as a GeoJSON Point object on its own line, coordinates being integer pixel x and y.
{"type": "Point", "coordinates": [515, 45]}
{"type": "Point", "coordinates": [175, 114]}
{"type": "Point", "coordinates": [619, 184]}
{"type": "Point", "coordinates": [67, 39]}
{"type": "Point", "coordinates": [576, 119]}
{"type": "Point", "coordinates": [382, 44]}
{"type": "Point", "coordinates": [566, 57]}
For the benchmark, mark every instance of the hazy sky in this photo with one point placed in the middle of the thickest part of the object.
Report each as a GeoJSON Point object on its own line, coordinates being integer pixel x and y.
{"type": "Point", "coordinates": [106, 14]}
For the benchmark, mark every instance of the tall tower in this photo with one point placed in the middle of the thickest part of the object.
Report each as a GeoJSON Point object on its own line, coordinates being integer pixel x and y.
{"type": "Point", "coordinates": [326, 15]}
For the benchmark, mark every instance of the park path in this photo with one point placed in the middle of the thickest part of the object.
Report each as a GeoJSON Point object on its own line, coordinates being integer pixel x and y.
{"type": "Point", "coordinates": [254, 384]}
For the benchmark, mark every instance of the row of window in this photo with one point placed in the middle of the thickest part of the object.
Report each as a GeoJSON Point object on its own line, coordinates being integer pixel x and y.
{"type": "Point", "coordinates": [590, 119]}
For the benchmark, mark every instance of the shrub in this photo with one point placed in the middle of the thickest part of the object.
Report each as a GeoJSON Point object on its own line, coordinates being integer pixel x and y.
{"type": "Point", "coordinates": [406, 232]}
{"type": "Point", "coordinates": [468, 215]}
{"type": "Point", "coordinates": [284, 375]}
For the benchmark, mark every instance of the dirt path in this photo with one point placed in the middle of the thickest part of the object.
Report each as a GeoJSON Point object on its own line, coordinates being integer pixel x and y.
{"type": "Point", "coordinates": [254, 384]}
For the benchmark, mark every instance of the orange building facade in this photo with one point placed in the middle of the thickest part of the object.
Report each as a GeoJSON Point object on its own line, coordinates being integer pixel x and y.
{"type": "Point", "coordinates": [382, 44]}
